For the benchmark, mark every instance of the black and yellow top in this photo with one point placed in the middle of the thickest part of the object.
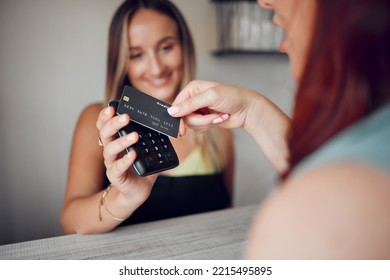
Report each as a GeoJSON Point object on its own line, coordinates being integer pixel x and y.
{"type": "Point", "coordinates": [195, 186]}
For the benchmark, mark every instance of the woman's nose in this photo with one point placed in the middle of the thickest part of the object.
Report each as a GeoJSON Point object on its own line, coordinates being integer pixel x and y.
{"type": "Point", "coordinates": [155, 66]}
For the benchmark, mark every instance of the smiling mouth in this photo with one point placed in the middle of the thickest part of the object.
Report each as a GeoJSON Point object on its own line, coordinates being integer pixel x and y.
{"type": "Point", "coordinates": [160, 81]}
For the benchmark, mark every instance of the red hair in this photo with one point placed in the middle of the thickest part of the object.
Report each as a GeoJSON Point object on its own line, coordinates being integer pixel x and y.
{"type": "Point", "coordinates": [347, 73]}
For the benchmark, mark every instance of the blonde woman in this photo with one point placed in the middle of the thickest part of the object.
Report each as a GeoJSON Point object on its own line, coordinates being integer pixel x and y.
{"type": "Point", "coordinates": [151, 49]}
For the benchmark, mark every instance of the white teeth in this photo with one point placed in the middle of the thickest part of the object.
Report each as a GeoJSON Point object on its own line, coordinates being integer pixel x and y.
{"type": "Point", "coordinates": [158, 81]}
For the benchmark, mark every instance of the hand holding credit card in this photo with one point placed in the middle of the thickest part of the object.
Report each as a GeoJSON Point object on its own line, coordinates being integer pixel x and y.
{"type": "Point", "coordinates": [148, 111]}
{"type": "Point", "coordinates": [155, 152]}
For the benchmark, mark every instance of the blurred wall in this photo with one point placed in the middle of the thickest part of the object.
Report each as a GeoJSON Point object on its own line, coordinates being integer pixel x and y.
{"type": "Point", "coordinates": [52, 64]}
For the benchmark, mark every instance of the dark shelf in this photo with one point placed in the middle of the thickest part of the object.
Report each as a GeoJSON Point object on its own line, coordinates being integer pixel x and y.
{"type": "Point", "coordinates": [246, 52]}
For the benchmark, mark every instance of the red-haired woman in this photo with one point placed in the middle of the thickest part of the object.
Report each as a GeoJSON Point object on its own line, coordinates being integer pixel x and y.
{"type": "Point", "coordinates": [333, 155]}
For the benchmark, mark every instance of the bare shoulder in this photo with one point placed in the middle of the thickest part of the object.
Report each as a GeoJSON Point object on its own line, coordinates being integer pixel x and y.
{"type": "Point", "coordinates": [88, 117]}
{"type": "Point", "coordinates": [91, 111]}
{"type": "Point", "coordinates": [86, 130]}
{"type": "Point", "coordinates": [332, 212]}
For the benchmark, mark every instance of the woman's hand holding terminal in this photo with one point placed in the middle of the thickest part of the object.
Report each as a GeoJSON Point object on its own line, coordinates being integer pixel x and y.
{"type": "Point", "coordinates": [133, 188]}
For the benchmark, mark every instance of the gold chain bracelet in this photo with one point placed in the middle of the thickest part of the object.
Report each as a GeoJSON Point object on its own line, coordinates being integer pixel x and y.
{"type": "Point", "coordinates": [102, 202]}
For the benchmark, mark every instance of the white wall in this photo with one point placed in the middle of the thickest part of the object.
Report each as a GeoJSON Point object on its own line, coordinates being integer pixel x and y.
{"type": "Point", "coordinates": [52, 64]}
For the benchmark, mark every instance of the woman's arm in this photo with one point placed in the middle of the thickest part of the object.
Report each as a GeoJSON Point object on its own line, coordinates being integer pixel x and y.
{"type": "Point", "coordinates": [80, 212]}
{"type": "Point", "coordinates": [269, 125]}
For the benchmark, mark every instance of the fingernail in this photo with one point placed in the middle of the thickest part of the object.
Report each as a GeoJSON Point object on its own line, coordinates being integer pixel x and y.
{"type": "Point", "coordinates": [122, 119]}
{"type": "Point", "coordinates": [107, 111]}
{"type": "Point", "coordinates": [225, 117]}
{"type": "Point", "coordinates": [217, 120]}
{"type": "Point", "coordinates": [130, 137]}
{"type": "Point", "coordinates": [173, 110]}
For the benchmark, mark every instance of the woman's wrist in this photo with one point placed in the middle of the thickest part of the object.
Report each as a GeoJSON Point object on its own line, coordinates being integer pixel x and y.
{"type": "Point", "coordinates": [134, 198]}
{"type": "Point", "coordinates": [103, 203]}
{"type": "Point", "coordinates": [268, 125]}
{"type": "Point", "coordinates": [254, 110]}
{"type": "Point", "coordinates": [117, 205]}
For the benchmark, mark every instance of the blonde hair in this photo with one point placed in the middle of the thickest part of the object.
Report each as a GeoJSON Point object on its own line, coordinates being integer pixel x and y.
{"type": "Point", "coordinates": [118, 56]}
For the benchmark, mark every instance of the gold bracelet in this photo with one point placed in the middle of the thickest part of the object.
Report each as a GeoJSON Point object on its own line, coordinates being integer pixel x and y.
{"type": "Point", "coordinates": [103, 202]}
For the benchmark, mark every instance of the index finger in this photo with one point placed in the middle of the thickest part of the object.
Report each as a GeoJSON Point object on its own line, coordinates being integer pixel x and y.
{"type": "Point", "coordinates": [192, 89]}
{"type": "Point", "coordinates": [104, 116]}
{"type": "Point", "coordinates": [192, 98]}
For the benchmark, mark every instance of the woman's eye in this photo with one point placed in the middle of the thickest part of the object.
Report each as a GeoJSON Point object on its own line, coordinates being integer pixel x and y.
{"type": "Point", "coordinates": [166, 48]}
{"type": "Point", "coordinates": [135, 56]}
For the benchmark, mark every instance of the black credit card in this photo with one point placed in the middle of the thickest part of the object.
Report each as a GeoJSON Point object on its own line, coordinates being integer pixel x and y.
{"type": "Point", "coordinates": [148, 111]}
